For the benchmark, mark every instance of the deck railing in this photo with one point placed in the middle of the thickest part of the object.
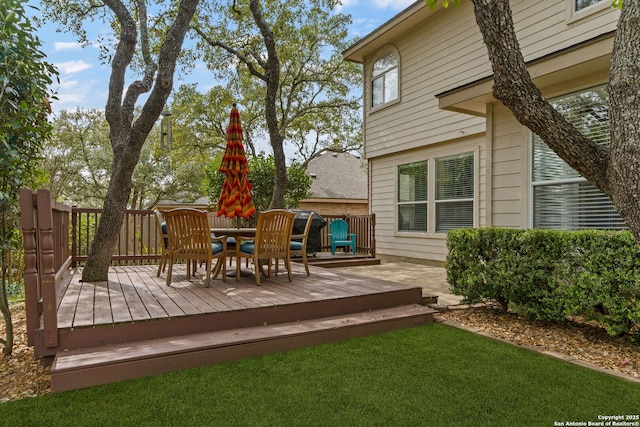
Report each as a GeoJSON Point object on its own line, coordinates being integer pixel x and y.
{"type": "Point", "coordinates": [45, 234]}
{"type": "Point", "coordinates": [139, 240]}
{"type": "Point", "coordinates": [364, 226]}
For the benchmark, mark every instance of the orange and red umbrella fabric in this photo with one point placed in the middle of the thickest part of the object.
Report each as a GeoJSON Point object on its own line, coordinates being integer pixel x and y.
{"type": "Point", "coordinates": [235, 198]}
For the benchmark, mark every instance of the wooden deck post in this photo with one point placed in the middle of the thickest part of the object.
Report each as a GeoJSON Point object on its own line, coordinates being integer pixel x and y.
{"type": "Point", "coordinates": [47, 268]}
{"type": "Point", "coordinates": [28, 224]}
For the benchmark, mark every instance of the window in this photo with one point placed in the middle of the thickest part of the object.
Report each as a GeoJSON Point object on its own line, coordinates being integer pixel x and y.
{"type": "Point", "coordinates": [413, 196]}
{"type": "Point", "coordinates": [562, 199]}
{"type": "Point", "coordinates": [582, 4]}
{"type": "Point", "coordinates": [454, 192]}
{"type": "Point", "coordinates": [579, 9]}
{"type": "Point", "coordinates": [384, 79]}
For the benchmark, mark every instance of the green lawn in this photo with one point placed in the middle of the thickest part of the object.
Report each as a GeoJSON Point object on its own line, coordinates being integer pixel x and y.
{"type": "Point", "coordinates": [433, 375]}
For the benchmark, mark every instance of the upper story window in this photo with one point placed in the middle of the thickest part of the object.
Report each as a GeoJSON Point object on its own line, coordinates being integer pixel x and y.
{"type": "Point", "coordinates": [582, 4]}
{"type": "Point", "coordinates": [578, 9]}
{"type": "Point", "coordinates": [384, 78]}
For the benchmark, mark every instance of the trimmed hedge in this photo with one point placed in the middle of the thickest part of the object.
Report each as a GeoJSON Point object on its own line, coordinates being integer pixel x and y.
{"type": "Point", "coordinates": [550, 274]}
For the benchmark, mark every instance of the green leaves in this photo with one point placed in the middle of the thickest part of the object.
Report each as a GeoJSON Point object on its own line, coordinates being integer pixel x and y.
{"type": "Point", "coordinates": [24, 80]}
{"type": "Point", "coordinates": [445, 3]}
{"type": "Point", "coordinates": [550, 274]}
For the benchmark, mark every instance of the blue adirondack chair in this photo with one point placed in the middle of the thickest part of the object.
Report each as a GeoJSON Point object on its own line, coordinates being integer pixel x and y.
{"type": "Point", "coordinates": [340, 236]}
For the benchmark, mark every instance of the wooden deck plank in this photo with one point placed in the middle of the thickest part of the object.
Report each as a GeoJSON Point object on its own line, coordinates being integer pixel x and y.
{"type": "Point", "coordinates": [102, 305]}
{"type": "Point", "coordinates": [199, 298]}
{"type": "Point", "coordinates": [171, 302]}
{"type": "Point", "coordinates": [119, 305]}
{"type": "Point", "coordinates": [155, 309]}
{"type": "Point", "coordinates": [85, 308]}
{"type": "Point", "coordinates": [180, 290]}
{"type": "Point", "coordinates": [136, 293]}
{"type": "Point", "coordinates": [136, 306]}
{"type": "Point", "coordinates": [61, 289]}
{"type": "Point", "coordinates": [69, 302]}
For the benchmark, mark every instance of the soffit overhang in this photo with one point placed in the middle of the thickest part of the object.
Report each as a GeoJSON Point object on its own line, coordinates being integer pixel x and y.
{"type": "Point", "coordinates": [583, 65]}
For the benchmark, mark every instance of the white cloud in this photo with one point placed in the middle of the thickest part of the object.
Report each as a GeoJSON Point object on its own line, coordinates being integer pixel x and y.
{"type": "Point", "coordinates": [392, 4]}
{"type": "Point", "coordinates": [58, 46]}
{"type": "Point", "coordinates": [70, 67]}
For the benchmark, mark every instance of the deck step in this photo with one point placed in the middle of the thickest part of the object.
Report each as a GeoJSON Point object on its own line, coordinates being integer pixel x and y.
{"type": "Point", "coordinates": [342, 262]}
{"type": "Point", "coordinates": [101, 365]}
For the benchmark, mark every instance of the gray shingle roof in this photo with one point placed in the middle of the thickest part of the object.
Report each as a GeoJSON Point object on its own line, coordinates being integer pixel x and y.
{"type": "Point", "coordinates": [338, 176]}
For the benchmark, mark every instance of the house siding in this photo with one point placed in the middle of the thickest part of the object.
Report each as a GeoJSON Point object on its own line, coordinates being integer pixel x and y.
{"type": "Point", "coordinates": [430, 245]}
{"type": "Point", "coordinates": [427, 65]}
{"type": "Point", "coordinates": [445, 54]}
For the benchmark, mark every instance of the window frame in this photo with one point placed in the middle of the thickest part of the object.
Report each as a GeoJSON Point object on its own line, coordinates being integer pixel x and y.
{"type": "Point", "coordinates": [574, 14]}
{"type": "Point", "coordinates": [425, 202]}
{"type": "Point", "coordinates": [452, 200]}
{"type": "Point", "coordinates": [372, 78]}
{"type": "Point", "coordinates": [431, 205]}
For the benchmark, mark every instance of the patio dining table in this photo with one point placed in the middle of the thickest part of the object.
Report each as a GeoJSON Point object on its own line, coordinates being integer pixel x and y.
{"type": "Point", "coordinates": [234, 232]}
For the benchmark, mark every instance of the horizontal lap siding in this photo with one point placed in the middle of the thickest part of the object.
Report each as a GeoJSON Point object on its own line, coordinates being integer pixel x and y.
{"type": "Point", "coordinates": [428, 246]}
{"type": "Point", "coordinates": [445, 53]}
{"type": "Point", "coordinates": [542, 26]}
{"type": "Point", "coordinates": [510, 170]}
{"type": "Point", "coordinates": [431, 57]}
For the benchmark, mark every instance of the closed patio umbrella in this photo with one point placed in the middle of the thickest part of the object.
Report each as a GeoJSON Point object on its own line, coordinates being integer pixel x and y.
{"type": "Point", "coordinates": [235, 199]}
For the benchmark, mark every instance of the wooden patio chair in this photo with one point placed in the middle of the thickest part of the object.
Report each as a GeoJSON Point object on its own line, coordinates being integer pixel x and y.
{"type": "Point", "coordinates": [340, 236]}
{"type": "Point", "coordinates": [190, 239]}
{"type": "Point", "coordinates": [272, 241]}
{"type": "Point", "coordinates": [162, 231]}
{"type": "Point", "coordinates": [298, 245]}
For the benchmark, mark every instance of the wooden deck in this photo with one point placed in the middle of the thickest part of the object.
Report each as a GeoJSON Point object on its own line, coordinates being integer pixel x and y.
{"type": "Point", "coordinates": [135, 325]}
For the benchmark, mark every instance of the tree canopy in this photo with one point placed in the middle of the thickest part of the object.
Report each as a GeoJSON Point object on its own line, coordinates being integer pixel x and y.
{"type": "Point", "coordinates": [24, 105]}
{"type": "Point", "coordinates": [283, 61]}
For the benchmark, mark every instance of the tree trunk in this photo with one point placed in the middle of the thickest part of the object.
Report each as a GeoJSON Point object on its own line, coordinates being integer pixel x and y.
{"type": "Point", "coordinates": [272, 81]}
{"type": "Point", "coordinates": [8, 322]}
{"type": "Point", "coordinates": [616, 169]}
{"type": "Point", "coordinates": [127, 136]}
{"type": "Point", "coordinates": [115, 204]}
{"type": "Point", "coordinates": [624, 113]}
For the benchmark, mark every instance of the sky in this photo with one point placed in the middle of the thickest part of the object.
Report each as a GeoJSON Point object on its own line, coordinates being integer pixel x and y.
{"type": "Point", "coordinates": [84, 81]}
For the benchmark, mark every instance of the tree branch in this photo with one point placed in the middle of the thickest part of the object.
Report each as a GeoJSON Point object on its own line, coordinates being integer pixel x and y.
{"type": "Point", "coordinates": [213, 43]}
{"type": "Point", "coordinates": [514, 87]}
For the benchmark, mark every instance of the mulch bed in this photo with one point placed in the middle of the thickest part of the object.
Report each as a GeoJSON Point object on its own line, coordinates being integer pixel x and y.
{"type": "Point", "coordinates": [584, 341]}
{"type": "Point", "coordinates": [23, 375]}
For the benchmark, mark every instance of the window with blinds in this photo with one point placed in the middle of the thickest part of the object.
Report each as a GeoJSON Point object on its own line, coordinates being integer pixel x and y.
{"type": "Point", "coordinates": [413, 196]}
{"type": "Point", "coordinates": [454, 192]}
{"type": "Point", "coordinates": [562, 199]}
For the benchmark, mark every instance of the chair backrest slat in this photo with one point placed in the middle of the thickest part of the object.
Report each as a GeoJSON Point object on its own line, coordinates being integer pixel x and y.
{"type": "Point", "coordinates": [188, 231]}
{"type": "Point", "coordinates": [339, 228]}
{"type": "Point", "coordinates": [273, 233]}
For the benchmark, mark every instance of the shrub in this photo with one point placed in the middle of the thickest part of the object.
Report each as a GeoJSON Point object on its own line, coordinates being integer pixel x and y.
{"type": "Point", "coordinates": [550, 274]}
